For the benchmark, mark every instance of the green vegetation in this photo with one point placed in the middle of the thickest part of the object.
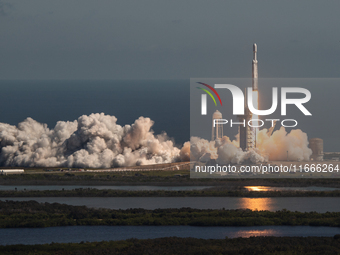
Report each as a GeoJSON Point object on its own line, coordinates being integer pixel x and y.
{"type": "Point", "coordinates": [98, 178]}
{"type": "Point", "coordinates": [211, 192]}
{"type": "Point", "coordinates": [187, 246]}
{"type": "Point", "coordinates": [33, 214]}
{"type": "Point", "coordinates": [156, 177]}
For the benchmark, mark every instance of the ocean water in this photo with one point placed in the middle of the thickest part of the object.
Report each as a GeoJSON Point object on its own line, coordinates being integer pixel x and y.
{"type": "Point", "coordinates": [166, 102]}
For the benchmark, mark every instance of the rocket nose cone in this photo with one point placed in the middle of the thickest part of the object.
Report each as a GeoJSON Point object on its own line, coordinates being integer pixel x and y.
{"type": "Point", "coordinates": [254, 47]}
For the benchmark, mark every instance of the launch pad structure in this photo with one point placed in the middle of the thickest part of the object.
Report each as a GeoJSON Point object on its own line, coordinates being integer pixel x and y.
{"type": "Point", "coordinates": [217, 131]}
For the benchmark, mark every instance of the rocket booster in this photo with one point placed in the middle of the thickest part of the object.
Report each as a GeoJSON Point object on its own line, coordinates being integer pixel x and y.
{"type": "Point", "coordinates": [255, 75]}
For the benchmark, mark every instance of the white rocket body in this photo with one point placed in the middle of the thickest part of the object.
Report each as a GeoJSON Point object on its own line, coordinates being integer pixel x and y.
{"type": "Point", "coordinates": [255, 75]}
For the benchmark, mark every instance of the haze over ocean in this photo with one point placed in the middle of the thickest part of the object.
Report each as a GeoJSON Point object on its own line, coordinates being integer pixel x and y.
{"type": "Point", "coordinates": [166, 102]}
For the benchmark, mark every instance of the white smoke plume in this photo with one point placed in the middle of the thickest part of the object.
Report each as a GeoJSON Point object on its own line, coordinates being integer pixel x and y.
{"type": "Point", "coordinates": [280, 143]}
{"type": "Point", "coordinates": [94, 141]}
{"type": "Point", "coordinates": [223, 151]}
{"type": "Point", "coordinates": [97, 141]}
{"type": "Point", "coordinates": [269, 148]}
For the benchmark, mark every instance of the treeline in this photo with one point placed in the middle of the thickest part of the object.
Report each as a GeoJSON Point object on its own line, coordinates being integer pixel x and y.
{"type": "Point", "coordinates": [14, 214]}
{"type": "Point", "coordinates": [99, 178]}
{"type": "Point", "coordinates": [227, 192]}
{"type": "Point", "coordinates": [155, 178]}
{"type": "Point", "coordinates": [187, 246]}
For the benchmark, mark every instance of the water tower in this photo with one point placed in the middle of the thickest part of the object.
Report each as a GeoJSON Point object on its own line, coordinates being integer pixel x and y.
{"type": "Point", "coordinates": [217, 131]}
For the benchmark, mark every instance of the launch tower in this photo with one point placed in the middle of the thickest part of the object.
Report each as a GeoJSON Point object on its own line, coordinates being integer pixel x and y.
{"type": "Point", "coordinates": [217, 131]}
{"type": "Point", "coordinates": [246, 132]}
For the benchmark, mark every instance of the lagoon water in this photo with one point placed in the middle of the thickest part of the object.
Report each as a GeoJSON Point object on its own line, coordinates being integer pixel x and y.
{"type": "Point", "coordinates": [106, 233]}
{"type": "Point", "coordinates": [269, 188]}
{"type": "Point", "coordinates": [302, 204]}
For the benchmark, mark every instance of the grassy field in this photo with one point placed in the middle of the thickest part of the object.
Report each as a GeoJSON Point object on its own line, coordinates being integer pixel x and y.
{"type": "Point", "coordinates": [51, 176]}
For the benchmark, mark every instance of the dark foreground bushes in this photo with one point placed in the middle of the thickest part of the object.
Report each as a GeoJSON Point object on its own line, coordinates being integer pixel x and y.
{"type": "Point", "coordinates": [15, 214]}
{"type": "Point", "coordinates": [187, 246]}
{"type": "Point", "coordinates": [212, 192]}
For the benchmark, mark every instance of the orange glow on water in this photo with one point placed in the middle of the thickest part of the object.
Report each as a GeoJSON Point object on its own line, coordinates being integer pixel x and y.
{"type": "Point", "coordinates": [259, 204]}
{"type": "Point", "coordinates": [257, 188]}
{"type": "Point", "coordinates": [249, 233]}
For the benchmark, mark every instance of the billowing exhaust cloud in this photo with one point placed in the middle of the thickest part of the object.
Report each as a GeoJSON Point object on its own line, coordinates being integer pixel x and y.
{"type": "Point", "coordinates": [278, 146]}
{"type": "Point", "coordinates": [97, 141]}
{"type": "Point", "coordinates": [224, 151]}
{"type": "Point", "coordinates": [282, 145]}
{"type": "Point", "coordinates": [93, 141]}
